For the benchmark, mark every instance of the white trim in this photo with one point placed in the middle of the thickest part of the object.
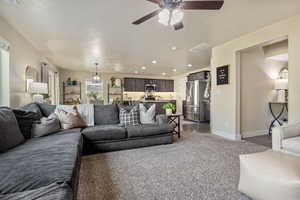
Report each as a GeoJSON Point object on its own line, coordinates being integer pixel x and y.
{"type": "Point", "coordinates": [248, 134]}
{"type": "Point", "coordinates": [225, 135]}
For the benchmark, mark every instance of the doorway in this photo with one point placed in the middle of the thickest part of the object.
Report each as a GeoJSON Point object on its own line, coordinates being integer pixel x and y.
{"type": "Point", "coordinates": [263, 90]}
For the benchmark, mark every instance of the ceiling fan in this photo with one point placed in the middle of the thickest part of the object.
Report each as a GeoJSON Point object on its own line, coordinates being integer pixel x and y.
{"type": "Point", "coordinates": [170, 11]}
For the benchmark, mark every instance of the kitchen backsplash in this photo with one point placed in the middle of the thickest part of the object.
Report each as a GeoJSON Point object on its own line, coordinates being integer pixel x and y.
{"type": "Point", "coordinates": [139, 95]}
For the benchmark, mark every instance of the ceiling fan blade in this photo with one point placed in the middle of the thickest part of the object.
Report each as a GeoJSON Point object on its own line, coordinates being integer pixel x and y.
{"type": "Point", "coordinates": [155, 1]}
{"type": "Point", "coordinates": [202, 5]}
{"type": "Point", "coordinates": [178, 26]}
{"type": "Point", "coordinates": [147, 17]}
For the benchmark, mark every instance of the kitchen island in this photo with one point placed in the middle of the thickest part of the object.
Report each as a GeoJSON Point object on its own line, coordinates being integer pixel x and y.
{"type": "Point", "coordinates": [148, 103]}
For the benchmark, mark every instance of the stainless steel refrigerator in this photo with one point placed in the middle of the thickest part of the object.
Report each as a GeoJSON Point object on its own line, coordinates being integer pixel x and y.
{"type": "Point", "coordinates": [197, 107]}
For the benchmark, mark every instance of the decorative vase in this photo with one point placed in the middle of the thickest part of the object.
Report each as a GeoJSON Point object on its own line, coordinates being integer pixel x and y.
{"type": "Point", "coordinates": [169, 112]}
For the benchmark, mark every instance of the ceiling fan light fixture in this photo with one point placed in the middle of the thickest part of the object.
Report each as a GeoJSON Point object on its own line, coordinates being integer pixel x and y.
{"type": "Point", "coordinates": [177, 16]}
{"type": "Point", "coordinates": [164, 17]}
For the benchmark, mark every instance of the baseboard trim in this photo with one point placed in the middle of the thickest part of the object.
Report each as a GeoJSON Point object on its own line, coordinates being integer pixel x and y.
{"type": "Point", "coordinates": [249, 134]}
{"type": "Point", "coordinates": [225, 135]}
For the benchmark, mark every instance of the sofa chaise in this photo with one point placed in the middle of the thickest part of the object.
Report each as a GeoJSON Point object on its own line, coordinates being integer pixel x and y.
{"type": "Point", "coordinates": [48, 167]}
{"type": "Point", "coordinates": [287, 139]}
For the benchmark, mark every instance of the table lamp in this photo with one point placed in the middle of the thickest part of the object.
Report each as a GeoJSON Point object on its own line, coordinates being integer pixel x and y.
{"type": "Point", "coordinates": [281, 85]}
{"type": "Point", "coordinates": [38, 89]}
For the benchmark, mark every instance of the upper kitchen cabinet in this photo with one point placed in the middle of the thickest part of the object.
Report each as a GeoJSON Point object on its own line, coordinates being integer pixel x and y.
{"type": "Point", "coordinates": [169, 86]}
{"type": "Point", "coordinates": [138, 84]}
{"type": "Point", "coordinates": [202, 76]}
{"type": "Point", "coordinates": [165, 85]}
{"type": "Point", "coordinates": [129, 84]}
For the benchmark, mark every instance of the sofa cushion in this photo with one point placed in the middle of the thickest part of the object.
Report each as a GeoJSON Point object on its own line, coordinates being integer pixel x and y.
{"type": "Point", "coordinates": [292, 145]}
{"type": "Point", "coordinates": [148, 130]}
{"type": "Point", "coordinates": [69, 131]}
{"type": "Point", "coordinates": [54, 191]}
{"type": "Point", "coordinates": [106, 114]}
{"type": "Point", "coordinates": [10, 134]}
{"type": "Point", "coordinates": [40, 162]}
{"type": "Point", "coordinates": [33, 107]}
{"type": "Point", "coordinates": [104, 132]}
{"type": "Point", "coordinates": [25, 120]}
{"type": "Point", "coordinates": [47, 109]}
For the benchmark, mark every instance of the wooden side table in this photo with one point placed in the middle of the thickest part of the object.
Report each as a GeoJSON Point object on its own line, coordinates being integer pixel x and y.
{"type": "Point", "coordinates": [175, 119]}
{"type": "Point", "coordinates": [276, 116]}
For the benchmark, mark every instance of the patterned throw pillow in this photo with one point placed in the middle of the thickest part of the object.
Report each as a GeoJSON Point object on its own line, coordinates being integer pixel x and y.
{"type": "Point", "coordinates": [129, 117]}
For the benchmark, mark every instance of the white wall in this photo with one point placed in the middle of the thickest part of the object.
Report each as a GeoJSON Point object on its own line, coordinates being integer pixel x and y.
{"type": "Point", "coordinates": [225, 108]}
{"type": "Point", "coordinates": [257, 90]}
{"type": "Point", "coordinates": [22, 54]}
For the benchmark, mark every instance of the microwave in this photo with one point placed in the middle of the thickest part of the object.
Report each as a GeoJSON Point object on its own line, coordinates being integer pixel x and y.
{"type": "Point", "coordinates": [150, 87]}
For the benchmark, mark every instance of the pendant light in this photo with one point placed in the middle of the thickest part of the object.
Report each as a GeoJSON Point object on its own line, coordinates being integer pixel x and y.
{"type": "Point", "coordinates": [96, 77]}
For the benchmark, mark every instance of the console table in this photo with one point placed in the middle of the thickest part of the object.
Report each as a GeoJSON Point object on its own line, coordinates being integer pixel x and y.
{"type": "Point", "coordinates": [175, 119]}
{"type": "Point", "coordinates": [276, 116]}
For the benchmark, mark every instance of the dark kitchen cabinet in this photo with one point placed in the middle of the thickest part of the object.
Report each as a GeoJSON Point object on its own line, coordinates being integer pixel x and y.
{"type": "Point", "coordinates": [129, 84]}
{"type": "Point", "coordinates": [165, 85]}
{"type": "Point", "coordinates": [202, 76]}
{"type": "Point", "coordinates": [169, 86]}
{"type": "Point", "coordinates": [159, 85]}
{"type": "Point", "coordinates": [138, 84]}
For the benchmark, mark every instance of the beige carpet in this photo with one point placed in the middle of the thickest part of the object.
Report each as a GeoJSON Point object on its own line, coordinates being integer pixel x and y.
{"type": "Point", "coordinates": [199, 166]}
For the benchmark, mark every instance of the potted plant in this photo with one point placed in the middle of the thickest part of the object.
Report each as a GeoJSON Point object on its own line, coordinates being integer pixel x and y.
{"type": "Point", "coordinates": [169, 107]}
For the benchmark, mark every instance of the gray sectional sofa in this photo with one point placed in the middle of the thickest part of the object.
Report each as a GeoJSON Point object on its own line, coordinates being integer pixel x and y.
{"type": "Point", "coordinates": [48, 167]}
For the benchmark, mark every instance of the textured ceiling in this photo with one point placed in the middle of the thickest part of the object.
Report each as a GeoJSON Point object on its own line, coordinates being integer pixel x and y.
{"type": "Point", "coordinates": [75, 33]}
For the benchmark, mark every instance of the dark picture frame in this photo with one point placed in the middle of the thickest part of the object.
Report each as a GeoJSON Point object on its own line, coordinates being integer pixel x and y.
{"type": "Point", "coordinates": [223, 75]}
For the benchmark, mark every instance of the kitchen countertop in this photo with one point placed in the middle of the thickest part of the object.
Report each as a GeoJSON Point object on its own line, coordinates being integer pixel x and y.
{"type": "Point", "coordinates": [153, 101]}
{"type": "Point", "coordinates": [158, 101]}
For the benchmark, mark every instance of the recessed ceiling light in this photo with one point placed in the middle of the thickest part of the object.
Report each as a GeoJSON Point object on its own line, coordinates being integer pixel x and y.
{"type": "Point", "coordinates": [144, 67]}
{"type": "Point", "coordinates": [136, 72]}
{"type": "Point", "coordinates": [190, 65]}
{"type": "Point", "coordinates": [164, 74]}
{"type": "Point", "coordinates": [174, 70]}
{"type": "Point", "coordinates": [173, 48]}
{"type": "Point", "coordinates": [154, 62]}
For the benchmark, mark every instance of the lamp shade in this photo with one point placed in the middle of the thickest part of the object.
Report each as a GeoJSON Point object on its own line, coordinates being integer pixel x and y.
{"type": "Point", "coordinates": [281, 84]}
{"type": "Point", "coordinates": [38, 88]}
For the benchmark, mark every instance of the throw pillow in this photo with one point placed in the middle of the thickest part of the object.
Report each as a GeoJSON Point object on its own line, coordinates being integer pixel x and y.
{"type": "Point", "coordinates": [46, 109]}
{"type": "Point", "coordinates": [71, 119]}
{"type": "Point", "coordinates": [129, 117]}
{"type": "Point", "coordinates": [147, 116]}
{"type": "Point", "coordinates": [10, 134]}
{"type": "Point", "coordinates": [46, 126]}
{"type": "Point", "coordinates": [33, 107]}
{"type": "Point", "coordinates": [25, 120]}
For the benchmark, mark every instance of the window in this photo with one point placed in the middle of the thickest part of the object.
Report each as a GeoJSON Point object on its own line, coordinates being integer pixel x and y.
{"type": "Point", "coordinates": [94, 91]}
{"type": "Point", "coordinates": [4, 73]}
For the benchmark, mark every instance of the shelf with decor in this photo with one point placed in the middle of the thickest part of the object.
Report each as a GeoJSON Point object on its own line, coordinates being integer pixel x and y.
{"type": "Point", "coordinates": [115, 91]}
{"type": "Point", "coordinates": [72, 93]}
